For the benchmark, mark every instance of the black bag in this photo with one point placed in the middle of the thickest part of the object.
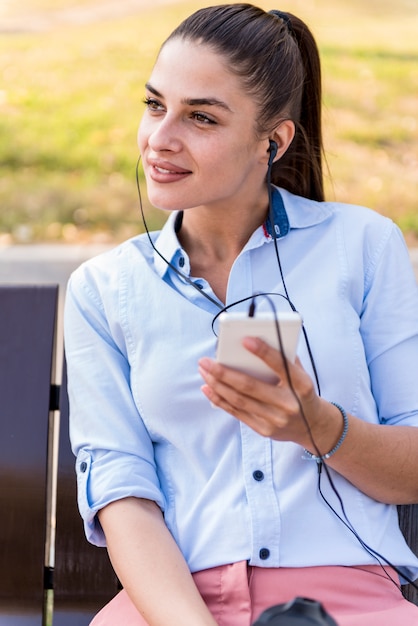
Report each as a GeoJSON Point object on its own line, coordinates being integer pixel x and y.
{"type": "Point", "coordinates": [298, 612]}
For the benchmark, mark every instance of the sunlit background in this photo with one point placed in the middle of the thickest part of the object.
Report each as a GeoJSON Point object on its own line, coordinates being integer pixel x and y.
{"type": "Point", "coordinates": [71, 87]}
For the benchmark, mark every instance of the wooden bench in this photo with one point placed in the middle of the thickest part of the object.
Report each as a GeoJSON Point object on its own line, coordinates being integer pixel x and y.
{"type": "Point", "coordinates": [47, 568]}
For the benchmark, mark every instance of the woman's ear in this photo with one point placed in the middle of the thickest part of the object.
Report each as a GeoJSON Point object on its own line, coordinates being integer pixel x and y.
{"type": "Point", "coordinates": [282, 136]}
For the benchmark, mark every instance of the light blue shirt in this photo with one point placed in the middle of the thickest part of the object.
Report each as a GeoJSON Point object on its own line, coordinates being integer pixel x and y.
{"type": "Point", "coordinates": [140, 425]}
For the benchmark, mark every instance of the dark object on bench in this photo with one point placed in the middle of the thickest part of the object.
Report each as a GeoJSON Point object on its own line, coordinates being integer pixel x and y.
{"type": "Point", "coordinates": [83, 579]}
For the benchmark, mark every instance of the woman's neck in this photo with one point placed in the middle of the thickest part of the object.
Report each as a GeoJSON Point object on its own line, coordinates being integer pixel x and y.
{"type": "Point", "coordinates": [214, 239]}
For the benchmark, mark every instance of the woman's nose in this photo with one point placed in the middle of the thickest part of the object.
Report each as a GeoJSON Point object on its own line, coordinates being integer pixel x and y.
{"type": "Point", "coordinates": [165, 135]}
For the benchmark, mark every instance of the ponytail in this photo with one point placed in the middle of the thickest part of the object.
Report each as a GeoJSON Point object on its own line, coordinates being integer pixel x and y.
{"type": "Point", "coordinates": [300, 170]}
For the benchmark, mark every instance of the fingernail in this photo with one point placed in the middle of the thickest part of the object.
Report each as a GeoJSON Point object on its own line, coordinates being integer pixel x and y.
{"type": "Point", "coordinates": [205, 363]}
{"type": "Point", "coordinates": [250, 342]}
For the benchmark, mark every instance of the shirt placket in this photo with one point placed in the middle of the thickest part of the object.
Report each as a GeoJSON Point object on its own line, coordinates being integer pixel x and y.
{"type": "Point", "coordinates": [257, 460]}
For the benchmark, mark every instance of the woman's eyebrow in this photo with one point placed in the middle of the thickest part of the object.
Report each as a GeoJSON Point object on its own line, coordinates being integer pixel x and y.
{"type": "Point", "coordinates": [193, 101]}
{"type": "Point", "coordinates": [152, 89]}
{"type": "Point", "coordinates": [206, 101]}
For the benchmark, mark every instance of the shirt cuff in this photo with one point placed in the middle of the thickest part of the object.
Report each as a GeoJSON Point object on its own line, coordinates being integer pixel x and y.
{"type": "Point", "coordinates": [105, 477]}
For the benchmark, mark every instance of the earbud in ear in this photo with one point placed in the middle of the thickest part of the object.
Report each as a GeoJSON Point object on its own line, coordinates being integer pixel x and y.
{"type": "Point", "coordinates": [273, 147]}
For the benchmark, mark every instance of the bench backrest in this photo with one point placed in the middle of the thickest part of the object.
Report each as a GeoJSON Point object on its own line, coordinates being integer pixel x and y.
{"type": "Point", "coordinates": [27, 322]}
{"type": "Point", "coordinates": [83, 578]}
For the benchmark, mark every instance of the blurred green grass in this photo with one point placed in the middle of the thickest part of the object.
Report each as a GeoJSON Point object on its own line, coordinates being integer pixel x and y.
{"type": "Point", "coordinates": [71, 100]}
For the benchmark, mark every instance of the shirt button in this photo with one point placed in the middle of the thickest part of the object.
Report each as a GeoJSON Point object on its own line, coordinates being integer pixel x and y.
{"type": "Point", "coordinates": [181, 261]}
{"type": "Point", "coordinates": [258, 475]}
{"type": "Point", "coordinates": [264, 554]}
{"type": "Point", "coordinates": [83, 466]}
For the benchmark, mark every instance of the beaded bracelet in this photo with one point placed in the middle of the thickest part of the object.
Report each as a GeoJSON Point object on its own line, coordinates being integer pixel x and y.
{"type": "Point", "coordinates": [308, 456]}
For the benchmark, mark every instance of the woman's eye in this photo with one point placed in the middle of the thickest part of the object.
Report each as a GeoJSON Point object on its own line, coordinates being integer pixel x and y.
{"type": "Point", "coordinates": [152, 104]}
{"type": "Point", "coordinates": [203, 118]}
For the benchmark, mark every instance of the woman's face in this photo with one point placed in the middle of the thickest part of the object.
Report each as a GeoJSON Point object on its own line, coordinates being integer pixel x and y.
{"type": "Point", "coordinates": [197, 137]}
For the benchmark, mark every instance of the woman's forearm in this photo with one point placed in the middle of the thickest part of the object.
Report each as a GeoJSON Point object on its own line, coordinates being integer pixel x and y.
{"type": "Point", "coordinates": [150, 566]}
{"type": "Point", "coordinates": [380, 460]}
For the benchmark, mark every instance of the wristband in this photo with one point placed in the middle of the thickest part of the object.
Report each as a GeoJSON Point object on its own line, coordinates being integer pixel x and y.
{"type": "Point", "coordinates": [308, 456]}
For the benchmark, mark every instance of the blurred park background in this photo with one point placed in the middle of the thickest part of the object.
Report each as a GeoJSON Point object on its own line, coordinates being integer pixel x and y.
{"type": "Point", "coordinates": [72, 74]}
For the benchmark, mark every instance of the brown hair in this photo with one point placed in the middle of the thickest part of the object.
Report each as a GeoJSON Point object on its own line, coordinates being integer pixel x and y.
{"type": "Point", "coordinates": [277, 60]}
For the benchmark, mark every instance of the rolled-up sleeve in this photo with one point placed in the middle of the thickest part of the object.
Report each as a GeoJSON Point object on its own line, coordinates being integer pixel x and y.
{"type": "Point", "coordinates": [114, 453]}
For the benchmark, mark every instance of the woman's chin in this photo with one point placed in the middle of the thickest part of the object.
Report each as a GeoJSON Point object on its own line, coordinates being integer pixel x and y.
{"type": "Point", "coordinates": [165, 206]}
{"type": "Point", "coordinates": [164, 203]}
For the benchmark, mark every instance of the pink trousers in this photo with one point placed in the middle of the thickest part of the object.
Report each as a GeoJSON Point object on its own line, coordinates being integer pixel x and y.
{"type": "Point", "coordinates": [237, 594]}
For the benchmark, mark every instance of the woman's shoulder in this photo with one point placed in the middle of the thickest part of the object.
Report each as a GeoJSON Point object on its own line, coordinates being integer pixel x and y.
{"type": "Point", "coordinates": [124, 253]}
{"type": "Point", "coordinates": [106, 272]}
{"type": "Point", "coordinates": [361, 228]}
{"type": "Point", "coordinates": [306, 212]}
{"type": "Point", "coordinates": [363, 233]}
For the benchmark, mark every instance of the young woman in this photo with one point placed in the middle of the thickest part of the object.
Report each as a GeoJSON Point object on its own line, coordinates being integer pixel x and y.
{"type": "Point", "coordinates": [217, 494]}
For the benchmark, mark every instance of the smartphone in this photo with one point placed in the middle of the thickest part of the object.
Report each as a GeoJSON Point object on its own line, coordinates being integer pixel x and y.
{"type": "Point", "coordinates": [233, 327]}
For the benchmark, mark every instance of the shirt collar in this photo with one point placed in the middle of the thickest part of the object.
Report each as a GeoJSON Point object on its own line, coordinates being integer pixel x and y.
{"type": "Point", "coordinates": [280, 219]}
{"type": "Point", "coordinates": [290, 212]}
{"type": "Point", "coordinates": [303, 212]}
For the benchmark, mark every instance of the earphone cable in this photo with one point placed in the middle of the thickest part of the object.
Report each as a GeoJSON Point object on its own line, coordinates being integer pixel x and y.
{"type": "Point", "coordinates": [279, 263]}
{"type": "Point", "coordinates": [345, 520]}
{"type": "Point", "coordinates": [171, 265]}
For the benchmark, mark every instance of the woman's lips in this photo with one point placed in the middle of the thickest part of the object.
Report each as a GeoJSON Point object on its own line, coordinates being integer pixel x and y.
{"type": "Point", "coordinates": [165, 172]}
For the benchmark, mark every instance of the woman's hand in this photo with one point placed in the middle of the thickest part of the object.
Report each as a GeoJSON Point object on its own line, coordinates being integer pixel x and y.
{"type": "Point", "coordinates": [282, 411]}
{"type": "Point", "coordinates": [382, 461]}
